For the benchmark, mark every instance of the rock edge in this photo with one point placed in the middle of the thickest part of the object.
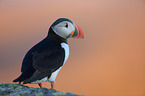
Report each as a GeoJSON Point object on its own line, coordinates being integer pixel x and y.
{"type": "Point", "coordinates": [11, 89]}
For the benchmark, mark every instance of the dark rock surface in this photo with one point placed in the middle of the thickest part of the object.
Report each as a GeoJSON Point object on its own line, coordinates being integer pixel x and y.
{"type": "Point", "coordinates": [11, 89]}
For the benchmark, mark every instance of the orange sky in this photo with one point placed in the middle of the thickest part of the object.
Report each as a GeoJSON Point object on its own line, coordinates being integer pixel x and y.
{"type": "Point", "coordinates": [110, 61]}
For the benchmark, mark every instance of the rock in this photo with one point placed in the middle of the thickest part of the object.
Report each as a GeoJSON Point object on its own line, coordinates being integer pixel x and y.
{"type": "Point", "coordinates": [11, 89]}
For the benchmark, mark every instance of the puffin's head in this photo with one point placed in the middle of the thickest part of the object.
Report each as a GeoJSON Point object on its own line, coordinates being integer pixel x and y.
{"type": "Point", "coordinates": [65, 28]}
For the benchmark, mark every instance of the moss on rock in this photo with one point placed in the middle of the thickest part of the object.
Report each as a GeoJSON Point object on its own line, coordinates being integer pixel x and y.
{"type": "Point", "coordinates": [11, 89]}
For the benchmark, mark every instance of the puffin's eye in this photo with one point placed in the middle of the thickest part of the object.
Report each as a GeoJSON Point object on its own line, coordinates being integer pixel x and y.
{"type": "Point", "coordinates": [66, 25]}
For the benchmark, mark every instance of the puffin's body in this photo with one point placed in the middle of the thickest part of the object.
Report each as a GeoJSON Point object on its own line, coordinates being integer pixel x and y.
{"type": "Point", "coordinates": [44, 60]}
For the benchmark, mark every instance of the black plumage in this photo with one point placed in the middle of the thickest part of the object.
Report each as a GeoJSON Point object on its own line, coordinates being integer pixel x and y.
{"type": "Point", "coordinates": [42, 59]}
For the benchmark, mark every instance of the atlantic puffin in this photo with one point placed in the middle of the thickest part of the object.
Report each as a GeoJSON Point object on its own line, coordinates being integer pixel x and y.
{"type": "Point", "coordinates": [45, 59]}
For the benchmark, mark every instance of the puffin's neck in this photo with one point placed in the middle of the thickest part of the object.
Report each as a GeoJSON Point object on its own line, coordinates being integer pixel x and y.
{"type": "Point", "coordinates": [54, 37]}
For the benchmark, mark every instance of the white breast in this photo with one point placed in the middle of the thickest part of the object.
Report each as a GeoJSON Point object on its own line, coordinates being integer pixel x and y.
{"type": "Point", "coordinates": [54, 74]}
{"type": "Point", "coordinates": [66, 48]}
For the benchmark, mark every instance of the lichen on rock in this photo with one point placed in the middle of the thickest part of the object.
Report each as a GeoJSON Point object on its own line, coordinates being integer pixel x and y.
{"type": "Point", "coordinates": [11, 89]}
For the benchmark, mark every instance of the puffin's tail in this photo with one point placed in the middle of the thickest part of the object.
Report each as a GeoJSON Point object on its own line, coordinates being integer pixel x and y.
{"type": "Point", "coordinates": [20, 79]}
{"type": "Point", "coordinates": [17, 80]}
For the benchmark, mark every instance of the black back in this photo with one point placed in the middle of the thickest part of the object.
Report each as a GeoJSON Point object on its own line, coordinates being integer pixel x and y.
{"type": "Point", "coordinates": [43, 58]}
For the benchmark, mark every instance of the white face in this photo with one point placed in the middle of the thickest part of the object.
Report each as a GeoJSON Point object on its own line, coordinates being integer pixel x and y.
{"type": "Point", "coordinates": [64, 29]}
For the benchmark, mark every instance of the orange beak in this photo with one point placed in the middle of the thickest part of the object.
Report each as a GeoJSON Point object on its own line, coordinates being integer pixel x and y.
{"type": "Point", "coordinates": [80, 33]}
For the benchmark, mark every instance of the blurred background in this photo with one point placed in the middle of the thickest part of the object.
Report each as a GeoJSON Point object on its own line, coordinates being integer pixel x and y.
{"type": "Point", "coordinates": [110, 61]}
